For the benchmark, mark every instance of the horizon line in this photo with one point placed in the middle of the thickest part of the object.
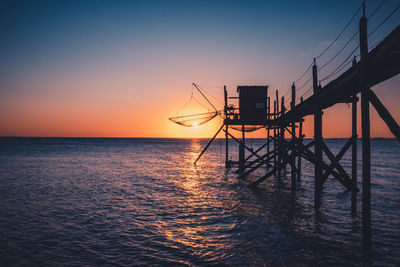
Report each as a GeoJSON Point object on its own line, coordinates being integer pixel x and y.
{"type": "Point", "coordinates": [121, 137]}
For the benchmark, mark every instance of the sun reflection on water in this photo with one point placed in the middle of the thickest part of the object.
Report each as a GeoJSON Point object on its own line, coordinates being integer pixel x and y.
{"type": "Point", "coordinates": [191, 228]}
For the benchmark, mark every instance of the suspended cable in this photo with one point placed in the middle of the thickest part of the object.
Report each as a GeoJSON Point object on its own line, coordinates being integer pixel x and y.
{"type": "Point", "coordinates": [209, 102]}
{"type": "Point", "coordinates": [201, 104]}
{"type": "Point", "coordinates": [287, 92]}
{"type": "Point", "coordinates": [308, 90]}
{"type": "Point", "coordinates": [376, 9]}
{"type": "Point", "coordinates": [376, 44]}
{"type": "Point", "coordinates": [340, 51]}
{"type": "Point", "coordinates": [194, 120]}
{"type": "Point", "coordinates": [305, 72]}
{"type": "Point", "coordinates": [304, 84]}
{"type": "Point", "coordinates": [298, 79]}
{"type": "Point", "coordinates": [344, 29]}
{"type": "Point", "coordinates": [384, 21]}
{"type": "Point", "coordinates": [338, 68]}
{"type": "Point", "coordinates": [208, 93]}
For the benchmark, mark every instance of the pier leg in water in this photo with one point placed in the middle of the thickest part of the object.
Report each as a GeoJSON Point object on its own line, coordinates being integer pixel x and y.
{"type": "Point", "coordinates": [299, 157]}
{"type": "Point", "coordinates": [366, 146]}
{"type": "Point", "coordinates": [275, 134]}
{"type": "Point", "coordinates": [241, 152]}
{"type": "Point", "coordinates": [293, 159]}
{"type": "Point", "coordinates": [354, 156]}
{"type": "Point", "coordinates": [268, 127]}
{"type": "Point", "coordinates": [318, 176]}
{"type": "Point", "coordinates": [226, 129]}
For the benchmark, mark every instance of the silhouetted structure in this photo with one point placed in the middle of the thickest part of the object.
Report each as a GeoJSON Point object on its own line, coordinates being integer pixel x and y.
{"type": "Point", "coordinates": [374, 67]}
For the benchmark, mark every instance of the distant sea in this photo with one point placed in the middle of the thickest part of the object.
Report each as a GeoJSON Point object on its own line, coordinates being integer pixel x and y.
{"type": "Point", "coordinates": [124, 202]}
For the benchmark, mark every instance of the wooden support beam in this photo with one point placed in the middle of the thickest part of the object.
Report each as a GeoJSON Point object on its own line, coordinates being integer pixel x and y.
{"type": "Point", "coordinates": [241, 151]}
{"type": "Point", "coordinates": [279, 167]}
{"type": "Point", "coordinates": [318, 144]}
{"type": "Point", "coordinates": [275, 134]}
{"type": "Point", "coordinates": [339, 156]}
{"type": "Point", "coordinates": [255, 152]}
{"type": "Point", "coordinates": [301, 139]}
{"type": "Point", "coordinates": [346, 180]}
{"type": "Point", "coordinates": [244, 146]}
{"type": "Point", "coordinates": [277, 139]}
{"type": "Point", "coordinates": [384, 64]}
{"type": "Point", "coordinates": [354, 154]}
{"type": "Point", "coordinates": [366, 145]}
{"type": "Point", "coordinates": [266, 158]}
{"type": "Point", "coordinates": [282, 164]}
{"type": "Point", "coordinates": [310, 156]}
{"type": "Point", "coordinates": [293, 133]}
{"type": "Point", "coordinates": [252, 169]}
{"type": "Point", "coordinates": [385, 114]}
{"type": "Point", "coordinates": [209, 143]}
{"type": "Point", "coordinates": [281, 138]}
{"type": "Point", "coordinates": [268, 126]}
{"type": "Point", "coordinates": [226, 129]}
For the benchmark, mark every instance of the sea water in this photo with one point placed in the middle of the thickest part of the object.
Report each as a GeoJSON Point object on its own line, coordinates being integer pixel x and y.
{"type": "Point", "coordinates": [85, 202]}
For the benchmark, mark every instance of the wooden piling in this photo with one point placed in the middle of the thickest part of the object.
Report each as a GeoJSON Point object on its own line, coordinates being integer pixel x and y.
{"type": "Point", "coordinates": [300, 140]}
{"type": "Point", "coordinates": [317, 145]}
{"type": "Point", "coordinates": [293, 170]}
{"type": "Point", "coordinates": [275, 133]}
{"type": "Point", "coordinates": [241, 151]}
{"type": "Point", "coordinates": [268, 126]}
{"type": "Point", "coordinates": [366, 145]}
{"type": "Point", "coordinates": [226, 128]}
{"type": "Point", "coordinates": [354, 151]}
{"type": "Point", "coordinates": [354, 156]}
{"type": "Point", "coordinates": [278, 137]}
{"type": "Point", "coordinates": [281, 138]}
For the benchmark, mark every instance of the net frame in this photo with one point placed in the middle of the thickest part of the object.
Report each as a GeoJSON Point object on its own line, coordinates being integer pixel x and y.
{"type": "Point", "coordinates": [247, 128]}
{"type": "Point", "coordinates": [194, 120]}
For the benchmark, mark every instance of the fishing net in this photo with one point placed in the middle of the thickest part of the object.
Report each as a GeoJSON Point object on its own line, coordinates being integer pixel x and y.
{"type": "Point", "coordinates": [247, 128]}
{"type": "Point", "coordinates": [194, 119]}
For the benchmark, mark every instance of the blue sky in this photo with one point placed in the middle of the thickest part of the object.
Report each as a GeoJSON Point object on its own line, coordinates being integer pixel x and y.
{"type": "Point", "coordinates": [58, 51]}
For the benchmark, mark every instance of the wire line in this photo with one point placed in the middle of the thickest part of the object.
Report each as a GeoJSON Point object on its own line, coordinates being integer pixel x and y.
{"type": "Point", "coordinates": [340, 34]}
{"type": "Point", "coordinates": [340, 51]}
{"type": "Point", "coordinates": [376, 9]}
{"type": "Point", "coordinates": [338, 68]}
{"type": "Point", "coordinates": [384, 21]}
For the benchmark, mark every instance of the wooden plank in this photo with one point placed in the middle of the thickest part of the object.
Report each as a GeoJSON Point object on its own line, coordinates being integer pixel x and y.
{"type": "Point", "coordinates": [385, 114]}
{"type": "Point", "coordinates": [339, 156]}
{"type": "Point", "coordinates": [346, 180]}
{"type": "Point", "coordinates": [209, 143]}
{"type": "Point", "coordinates": [383, 64]}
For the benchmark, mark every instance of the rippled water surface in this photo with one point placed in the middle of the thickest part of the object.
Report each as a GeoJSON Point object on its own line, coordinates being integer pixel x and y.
{"type": "Point", "coordinates": [142, 201]}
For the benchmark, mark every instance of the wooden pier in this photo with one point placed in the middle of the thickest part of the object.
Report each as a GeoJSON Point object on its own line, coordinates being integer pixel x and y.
{"type": "Point", "coordinates": [379, 64]}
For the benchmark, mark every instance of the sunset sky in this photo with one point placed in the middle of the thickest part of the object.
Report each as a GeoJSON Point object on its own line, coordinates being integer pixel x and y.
{"type": "Point", "coordinates": [121, 68]}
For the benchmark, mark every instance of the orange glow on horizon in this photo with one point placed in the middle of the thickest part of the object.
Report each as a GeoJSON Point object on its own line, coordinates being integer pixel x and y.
{"type": "Point", "coordinates": [123, 71]}
{"type": "Point", "coordinates": [125, 120]}
{"type": "Point", "coordinates": [79, 106]}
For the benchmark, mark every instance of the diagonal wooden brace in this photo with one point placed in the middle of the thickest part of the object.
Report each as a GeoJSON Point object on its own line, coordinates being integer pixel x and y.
{"type": "Point", "coordinates": [258, 150]}
{"type": "Point", "coordinates": [269, 155]}
{"type": "Point", "coordinates": [270, 173]}
{"type": "Point", "coordinates": [309, 155]}
{"type": "Point", "coordinates": [339, 156]}
{"type": "Point", "coordinates": [346, 180]}
{"type": "Point", "coordinates": [240, 142]}
{"type": "Point", "coordinates": [264, 159]}
{"type": "Point", "coordinates": [209, 143]}
{"type": "Point", "coordinates": [385, 114]}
